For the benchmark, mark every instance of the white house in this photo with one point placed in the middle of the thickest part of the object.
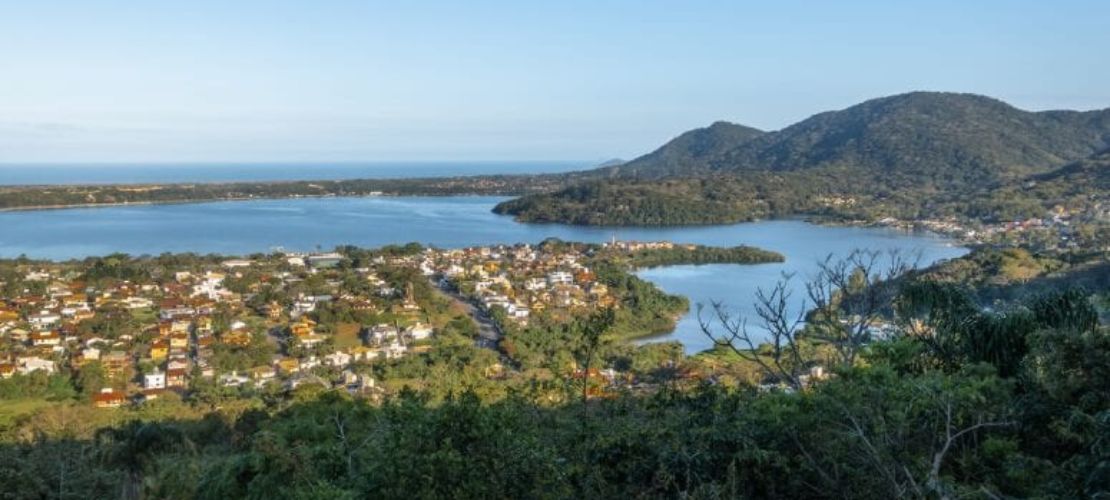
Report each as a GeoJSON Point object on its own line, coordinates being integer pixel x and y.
{"type": "Point", "coordinates": [394, 350]}
{"type": "Point", "coordinates": [155, 380]}
{"type": "Point", "coordinates": [559, 278]}
{"type": "Point", "coordinates": [419, 331]}
{"type": "Point", "coordinates": [34, 363]}
{"type": "Point", "coordinates": [379, 334]}
{"type": "Point", "coordinates": [338, 359]}
{"type": "Point", "coordinates": [44, 319]}
{"type": "Point", "coordinates": [233, 379]}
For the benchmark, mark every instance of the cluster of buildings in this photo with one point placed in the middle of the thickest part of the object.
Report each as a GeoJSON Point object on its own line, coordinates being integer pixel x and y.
{"type": "Point", "coordinates": [1057, 229]}
{"type": "Point", "coordinates": [522, 280]}
{"type": "Point", "coordinates": [168, 332]}
{"type": "Point", "coordinates": [319, 318]}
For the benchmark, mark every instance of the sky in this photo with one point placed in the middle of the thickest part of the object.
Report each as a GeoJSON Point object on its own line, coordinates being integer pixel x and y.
{"type": "Point", "coordinates": [220, 81]}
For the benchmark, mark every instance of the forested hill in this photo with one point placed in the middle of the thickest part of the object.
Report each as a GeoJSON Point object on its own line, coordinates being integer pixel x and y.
{"type": "Point", "coordinates": [915, 155]}
{"type": "Point", "coordinates": [1091, 173]}
{"type": "Point", "coordinates": [946, 139]}
{"type": "Point", "coordinates": [699, 150]}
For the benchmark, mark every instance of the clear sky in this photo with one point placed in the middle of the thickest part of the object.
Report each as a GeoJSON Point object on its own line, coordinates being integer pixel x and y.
{"type": "Point", "coordinates": [236, 80]}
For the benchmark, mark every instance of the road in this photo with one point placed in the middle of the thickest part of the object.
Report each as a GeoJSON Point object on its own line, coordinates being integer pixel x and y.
{"type": "Point", "coordinates": [488, 333]}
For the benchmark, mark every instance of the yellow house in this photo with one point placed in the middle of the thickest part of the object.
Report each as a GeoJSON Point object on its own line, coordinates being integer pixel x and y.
{"type": "Point", "coordinates": [303, 328]}
{"type": "Point", "coordinates": [179, 340]}
{"type": "Point", "coordinates": [289, 365]}
{"type": "Point", "coordinates": [239, 337]}
{"type": "Point", "coordinates": [204, 323]}
{"type": "Point", "coordinates": [159, 350]}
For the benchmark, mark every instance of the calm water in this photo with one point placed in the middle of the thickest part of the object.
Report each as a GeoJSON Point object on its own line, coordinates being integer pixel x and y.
{"type": "Point", "coordinates": [22, 174]}
{"type": "Point", "coordinates": [307, 224]}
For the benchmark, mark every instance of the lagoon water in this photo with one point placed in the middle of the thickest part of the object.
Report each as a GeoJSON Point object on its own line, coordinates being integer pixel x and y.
{"type": "Point", "coordinates": [240, 227]}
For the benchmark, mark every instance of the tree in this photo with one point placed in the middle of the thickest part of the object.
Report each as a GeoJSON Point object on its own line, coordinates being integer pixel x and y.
{"type": "Point", "coordinates": [135, 445]}
{"type": "Point", "coordinates": [593, 329]}
{"type": "Point", "coordinates": [784, 361]}
{"type": "Point", "coordinates": [847, 298]}
{"type": "Point", "coordinates": [91, 378]}
{"type": "Point", "coordinates": [850, 297]}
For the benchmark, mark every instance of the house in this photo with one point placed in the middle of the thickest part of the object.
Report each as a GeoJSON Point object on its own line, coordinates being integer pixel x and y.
{"type": "Point", "coordinates": [115, 362]}
{"type": "Point", "coordinates": [323, 260]}
{"type": "Point", "coordinates": [381, 333]}
{"type": "Point", "coordinates": [302, 379]}
{"type": "Point", "coordinates": [87, 354]}
{"type": "Point", "coordinates": [233, 380]}
{"type": "Point", "coordinates": [303, 328]}
{"type": "Point", "coordinates": [45, 338]}
{"type": "Point", "coordinates": [355, 382]}
{"type": "Point", "coordinates": [137, 303]}
{"type": "Point", "coordinates": [338, 359]}
{"type": "Point", "coordinates": [289, 366]}
{"type": "Point", "coordinates": [302, 307]}
{"type": "Point", "coordinates": [149, 395]}
{"type": "Point", "coordinates": [44, 319]}
{"type": "Point", "coordinates": [394, 350]}
{"type": "Point", "coordinates": [309, 363]}
{"type": "Point", "coordinates": [19, 334]}
{"type": "Point", "coordinates": [262, 374]}
{"type": "Point", "coordinates": [8, 314]}
{"type": "Point", "coordinates": [360, 353]}
{"type": "Point", "coordinates": [176, 378]}
{"type": "Point", "coordinates": [108, 398]}
{"type": "Point", "coordinates": [154, 380]}
{"type": "Point", "coordinates": [237, 337]}
{"type": "Point", "coordinates": [419, 331]}
{"type": "Point", "coordinates": [311, 340]}
{"type": "Point", "coordinates": [159, 349]}
{"type": "Point", "coordinates": [179, 340]}
{"type": "Point", "coordinates": [32, 364]}
{"type": "Point", "coordinates": [274, 311]}
{"type": "Point", "coordinates": [559, 278]}
{"type": "Point", "coordinates": [535, 284]}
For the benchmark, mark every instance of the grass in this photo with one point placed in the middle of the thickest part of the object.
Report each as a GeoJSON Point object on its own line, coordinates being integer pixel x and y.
{"type": "Point", "coordinates": [145, 315]}
{"type": "Point", "coordinates": [12, 410]}
{"type": "Point", "coordinates": [346, 335]}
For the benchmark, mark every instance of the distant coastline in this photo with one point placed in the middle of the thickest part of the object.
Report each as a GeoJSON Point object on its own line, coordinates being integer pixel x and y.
{"type": "Point", "coordinates": [52, 197]}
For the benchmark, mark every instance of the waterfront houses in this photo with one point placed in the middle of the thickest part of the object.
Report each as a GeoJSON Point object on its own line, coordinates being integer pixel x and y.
{"type": "Point", "coordinates": [185, 324]}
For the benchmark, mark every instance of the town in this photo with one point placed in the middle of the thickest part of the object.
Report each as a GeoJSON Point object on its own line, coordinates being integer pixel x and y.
{"type": "Point", "coordinates": [126, 331]}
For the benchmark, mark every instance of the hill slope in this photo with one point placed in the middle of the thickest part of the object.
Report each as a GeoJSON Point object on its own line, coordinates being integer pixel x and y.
{"type": "Point", "coordinates": [942, 137]}
{"type": "Point", "coordinates": [903, 153]}
{"type": "Point", "coordinates": [699, 150]}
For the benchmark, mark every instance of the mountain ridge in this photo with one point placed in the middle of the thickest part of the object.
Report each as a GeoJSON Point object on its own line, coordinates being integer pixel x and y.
{"type": "Point", "coordinates": [934, 135]}
{"type": "Point", "coordinates": [909, 156]}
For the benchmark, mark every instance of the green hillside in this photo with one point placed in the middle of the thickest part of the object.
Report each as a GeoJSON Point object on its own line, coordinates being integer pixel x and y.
{"type": "Point", "coordinates": [910, 155]}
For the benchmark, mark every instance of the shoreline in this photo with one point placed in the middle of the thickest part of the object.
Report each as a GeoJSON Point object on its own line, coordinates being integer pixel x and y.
{"type": "Point", "coordinates": [36, 208]}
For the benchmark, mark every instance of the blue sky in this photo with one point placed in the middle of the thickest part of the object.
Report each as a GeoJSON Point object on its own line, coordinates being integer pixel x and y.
{"type": "Point", "coordinates": [363, 81]}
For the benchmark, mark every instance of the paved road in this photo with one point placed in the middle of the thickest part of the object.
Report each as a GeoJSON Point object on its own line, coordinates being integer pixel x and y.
{"type": "Point", "coordinates": [488, 334]}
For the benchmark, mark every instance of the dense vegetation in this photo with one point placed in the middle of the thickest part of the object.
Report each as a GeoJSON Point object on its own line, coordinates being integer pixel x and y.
{"type": "Point", "coordinates": [948, 139]}
{"type": "Point", "coordinates": [700, 254]}
{"type": "Point", "coordinates": [555, 343]}
{"type": "Point", "coordinates": [1004, 405]}
{"type": "Point", "coordinates": [12, 197]}
{"type": "Point", "coordinates": [908, 156]}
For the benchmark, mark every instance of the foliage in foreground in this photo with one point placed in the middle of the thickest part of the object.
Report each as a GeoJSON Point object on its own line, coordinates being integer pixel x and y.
{"type": "Point", "coordinates": [1018, 410]}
